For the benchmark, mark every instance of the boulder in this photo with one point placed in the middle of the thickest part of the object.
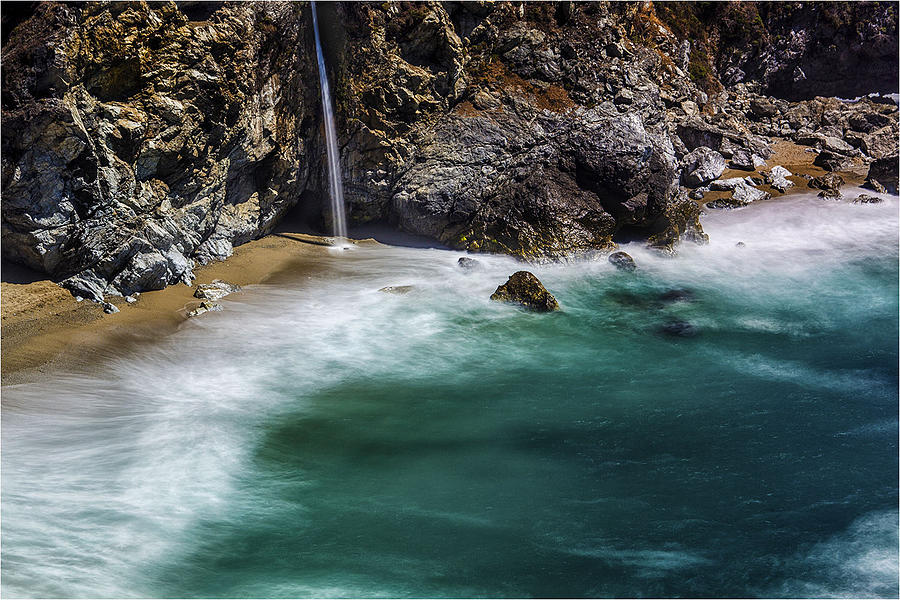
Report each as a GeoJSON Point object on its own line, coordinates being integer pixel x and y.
{"type": "Point", "coordinates": [110, 308]}
{"type": "Point", "coordinates": [746, 160]}
{"type": "Point", "coordinates": [745, 194]}
{"type": "Point", "coordinates": [832, 161]}
{"type": "Point", "coordinates": [702, 166]}
{"type": "Point", "coordinates": [622, 261]}
{"type": "Point", "coordinates": [778, 178]}
{"type": "Point", "coordinates": [880, 143]}
{"type": "Point", "coordinates": [829, 181]}
{"type": "Point", "coordinates": [524, 288]}
{"type": "Point", "coordinates": [205, 306]}
{"type": "Point", "coordinates": [681, 221]}
{"type": "Point", "coordinates": [724, 185]}
{"type": "Point", "coordinates": [867, 199]}
{"type": "Point", "coordinates": [831, 194]}
{"type": "Point", "coordinates": [760, 107]}
{"type": "Point", "coordinates": [468, 264]}
{"type": "Point", "coordinates": [216, 290]}
{"type": "Point", "coordinates": [884, 171]}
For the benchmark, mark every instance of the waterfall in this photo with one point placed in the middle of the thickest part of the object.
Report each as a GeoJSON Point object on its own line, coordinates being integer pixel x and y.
{"type": "Point", "coordinates": [338, 218]}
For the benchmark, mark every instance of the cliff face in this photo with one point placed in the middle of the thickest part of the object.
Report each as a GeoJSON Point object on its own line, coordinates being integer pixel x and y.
{"type": "Point", "coordinates": [136, 141]}
{"type": "Point", "coordinates": [139, 138]}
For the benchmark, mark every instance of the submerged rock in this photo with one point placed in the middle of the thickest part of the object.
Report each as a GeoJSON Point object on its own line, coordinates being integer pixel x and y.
{"type": "Point", "coordinates": [677, 295]}
{"type": "Point", "coordinates": [205, 306]}
{"type": "Point", "coordinates": [678, 329]}
{"type": "Point", "coordinates": [468, 264]}
{"type": "Point", "coordinates": [622, 261]}
{"type": "Point", "coordinates": [867, 199]}
{"type": "Point", "coordinates": [397, 289]}
{"type": "Point", "coordinates": [216, 290]}
{"type": "Point", "coordinates": [524, 288]}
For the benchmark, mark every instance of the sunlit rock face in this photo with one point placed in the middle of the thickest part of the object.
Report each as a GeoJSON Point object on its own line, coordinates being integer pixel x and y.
{"type": "Point", "coordinates": [137, 141]}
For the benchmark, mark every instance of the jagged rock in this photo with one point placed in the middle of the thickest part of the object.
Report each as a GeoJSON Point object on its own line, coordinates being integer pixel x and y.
{"type": "Point", "coordinates": [682, 222]}
{"type": "Point", "coordinates": [701, 166]}
{"type": "Point", "coordinates": [622, 261]}
{"type": "Point", "coordinates": [746, 160]}
{"type": "Point", "coordinates": [829, 181]}
{"type": "Point", "coordinates": [831, 161]}
{"type": "Point", "coordinates": [874, 185]}
{"type": "Point", "coordinates": [524, 288]}
{"type": "Point", "coordinates": [866, 199]}
{"type": "Point", "coordinates": [880, 143]}
{"type": "Point", "coordinates": [205, 306]}
{"type": "Point", "coordinates": [830, 194]}
{"type": "Point", "coordinates": [745, 194]}
{"type": "Point", "coordinates": [397, 289]}
{"type": "Point", "coordinates": [468, 264]}
{"type": "Point", "coordinates": [778, 178]}
{"type": "Point", "coordinates": [216, 290]}
{"type": "Point", "coordinates": [884, 171]}
{"type": "Point", "coordinates": [110, 308]}
{"type": "Point", "coordinates": [763, 108]}
{"type": "Point", "coordinates": [722, 185]}
{"type": "Point", "coordinates": [136, 143]}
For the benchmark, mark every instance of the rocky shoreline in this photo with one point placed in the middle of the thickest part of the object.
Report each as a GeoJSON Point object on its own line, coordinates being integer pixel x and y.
{"type": "Point", "coordinates": [144, 140]}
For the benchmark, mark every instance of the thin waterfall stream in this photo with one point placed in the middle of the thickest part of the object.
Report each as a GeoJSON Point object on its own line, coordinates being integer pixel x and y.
{"type": "Point", "coordinates": [336, 188]}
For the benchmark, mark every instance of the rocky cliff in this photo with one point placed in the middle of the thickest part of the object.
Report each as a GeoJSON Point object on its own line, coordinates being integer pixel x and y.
{"type": "Point", "coordinates": [141, 138]}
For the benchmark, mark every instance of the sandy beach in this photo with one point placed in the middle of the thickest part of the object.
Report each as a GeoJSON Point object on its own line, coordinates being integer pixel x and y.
{"type": "Point", "coordinates": [44, 329]}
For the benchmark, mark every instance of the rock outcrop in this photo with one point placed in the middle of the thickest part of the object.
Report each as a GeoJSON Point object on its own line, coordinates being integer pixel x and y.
{"type": "Point", "coordinates": [137, 142]}
{"type": "Point", "coordinates": [524, 288]}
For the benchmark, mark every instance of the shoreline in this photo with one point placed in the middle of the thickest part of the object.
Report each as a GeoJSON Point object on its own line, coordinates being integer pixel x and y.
{"type": "Point", "coordinates": [45, 330]}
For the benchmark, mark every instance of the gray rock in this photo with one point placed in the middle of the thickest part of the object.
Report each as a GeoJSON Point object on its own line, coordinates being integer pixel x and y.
{"type": "Point", "coordinates": [778, 178]}
{"type": "Point", "coordinates": [746, 160]}
{"type": "Point", "coordinates": [622, 261]}
{"type": "Point", "coordinates": [831, 161]}
{"type": "Point", "coordinates": [468, 264]}
{"type": "Point", "coordinates": [216, 290]}
{"type": "Point", "coordinates": [745, 194]}
{"type": "Point", "coordinates": [110, 308]}
{"type": "Point", "coordinates": [702, 166]}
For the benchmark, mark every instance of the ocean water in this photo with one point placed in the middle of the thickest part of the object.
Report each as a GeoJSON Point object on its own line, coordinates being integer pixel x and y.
{"type": "Point", "coordinates": [321, 438]}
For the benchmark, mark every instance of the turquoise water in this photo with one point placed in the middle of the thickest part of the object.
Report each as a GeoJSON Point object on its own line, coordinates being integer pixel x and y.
{"type": "Point", "coordinates": [320, 438]}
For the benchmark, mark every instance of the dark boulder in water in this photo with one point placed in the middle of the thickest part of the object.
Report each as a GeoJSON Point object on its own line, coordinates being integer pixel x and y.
{"type": "Point", "coordinates": [677, 295]}
{"type": "Point", "coordinates": [468, 264]}
{"type": "Point", "coordinates": [678, 329]}
{"type": "Point", "coordinates": [867, 199]}
{"type": "Point", "coordinates": [526, 289]}
{"type": "Point", "coordinates": [623, 261]}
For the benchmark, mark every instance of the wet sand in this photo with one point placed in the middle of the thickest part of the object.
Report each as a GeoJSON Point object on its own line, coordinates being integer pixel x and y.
{"type": "Point", "coordinates": [45, 330]}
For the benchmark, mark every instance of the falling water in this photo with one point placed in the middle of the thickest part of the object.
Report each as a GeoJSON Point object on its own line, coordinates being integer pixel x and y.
{"type": "Point", "coordinates": [338, 219]}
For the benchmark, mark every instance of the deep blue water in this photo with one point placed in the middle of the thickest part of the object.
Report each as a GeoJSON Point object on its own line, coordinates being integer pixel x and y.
{"type": "Point", "coordinates": [319, 438]}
